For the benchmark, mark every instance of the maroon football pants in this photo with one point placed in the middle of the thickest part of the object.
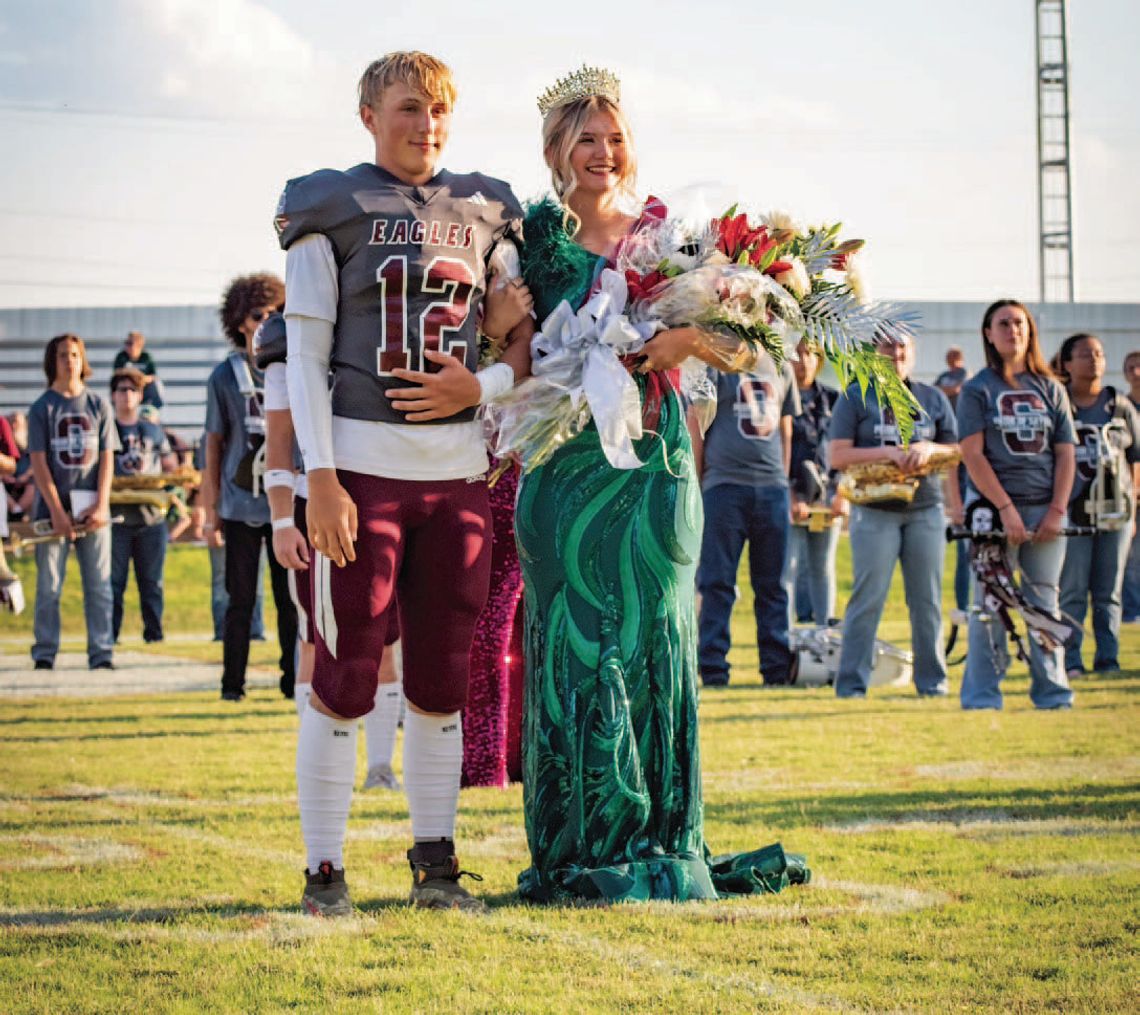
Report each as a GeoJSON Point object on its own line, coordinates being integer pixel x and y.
{"type": "Point", "coordinates": [430, 544]}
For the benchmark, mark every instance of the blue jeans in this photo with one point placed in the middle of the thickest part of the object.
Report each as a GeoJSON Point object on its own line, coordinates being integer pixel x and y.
{"type": "Point", "coordinates": [813, 567]}
{"type": "Point", "coordinates": [987, 657]}
{"type": "Point", "coordinates": [1130, 591]}
{"type": "Point", "coordinates": [733, 514]}
{"type": "Point", "coordinates": [962, 575]}
{"type": "Point", "coordinates": [94, 555]}
{"type": "Point", "coordinates": [220, 601]}
{"type": "Point", "coordinates": [879, 538]}
{"type": "Point", "coordinates": [1094, 566]}
{"type": "Point", "coordinates": [146, 546]}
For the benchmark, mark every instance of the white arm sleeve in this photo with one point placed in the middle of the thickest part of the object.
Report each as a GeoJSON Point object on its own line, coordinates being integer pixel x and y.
{"type": "Point", "coordinates": [307, 368]}
{"type": "Point", "coordinates": [311, 296]}
{"type": "Point", "coordinates": [276, 390]}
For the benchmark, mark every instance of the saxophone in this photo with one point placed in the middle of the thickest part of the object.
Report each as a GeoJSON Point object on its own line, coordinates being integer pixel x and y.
{"type": "Point", "coordinates": [162, 490]}
{"type": "Point", "coordinates": [877, 482]}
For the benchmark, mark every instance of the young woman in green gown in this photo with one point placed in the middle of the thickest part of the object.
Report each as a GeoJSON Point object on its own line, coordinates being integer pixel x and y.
{"type": "Point", "coordinates": [611, 764]}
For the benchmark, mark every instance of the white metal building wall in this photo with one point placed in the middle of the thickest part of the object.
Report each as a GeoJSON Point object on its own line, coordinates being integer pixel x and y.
{"type": "Point", "coordinates": [186, 342]}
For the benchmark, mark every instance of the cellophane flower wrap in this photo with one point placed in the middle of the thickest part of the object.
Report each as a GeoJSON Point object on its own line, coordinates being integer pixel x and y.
{"type": "Point", "coordinates": [750, 288]}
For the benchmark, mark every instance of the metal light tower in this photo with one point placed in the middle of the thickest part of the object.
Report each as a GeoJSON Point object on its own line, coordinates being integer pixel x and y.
{"type": "Point", "coordinates": [1054, 174]}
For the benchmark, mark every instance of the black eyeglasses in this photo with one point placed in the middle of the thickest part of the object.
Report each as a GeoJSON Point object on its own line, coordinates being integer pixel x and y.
{"type": "Point", "coordinates": [125, 387]}
{"type": "Point", "coordinates": [257, 316]}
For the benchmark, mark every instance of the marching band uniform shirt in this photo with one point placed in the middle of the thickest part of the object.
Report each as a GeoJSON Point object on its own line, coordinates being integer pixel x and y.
{"type": "Point", "coordinates": [862, 421]}
{"type": "Point", "coordinates": [743, 445]}
{"type": "Point", "coordinates": [141, 445]}
{"type": "Point", "coordinates": [73, 433]}
{"type": "Point", "coordinates": [239, 419]}
{"type": "Point", "coordinates": [810, 433]}
{"type": "Point", "coordinates": [1021, 424]}
{"type": "Point", "coordinates": [1095, 444]}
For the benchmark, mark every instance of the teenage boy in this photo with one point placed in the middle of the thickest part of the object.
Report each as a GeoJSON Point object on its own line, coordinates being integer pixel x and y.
{"type": "Point", "coordinates": [142, 535]}
{"type": "Point", "coordinates": [71, 440]}
{"type": "Point", "coordinates": [233, 493]}
{"type": "Point", "coordinates": [744, 478]}
{"type": "Point", "coordinates": [387, 269]}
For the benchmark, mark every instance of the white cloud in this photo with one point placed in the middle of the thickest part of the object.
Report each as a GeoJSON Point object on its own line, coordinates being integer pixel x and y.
{"type": "Point", "coordinates": [218, 55]}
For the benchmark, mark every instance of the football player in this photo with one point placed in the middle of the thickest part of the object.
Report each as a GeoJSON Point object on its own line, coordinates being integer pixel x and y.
{"type": "Point", "coordinates": [387, 272]}
{"type": "Point", "coordinates": [288, 490]}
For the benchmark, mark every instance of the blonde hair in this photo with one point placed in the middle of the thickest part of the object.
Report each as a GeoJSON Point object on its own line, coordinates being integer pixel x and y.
{"type": "Point", "coordinates": [421, 72]}
{"type": "Point", "coordinates": [560, 132]}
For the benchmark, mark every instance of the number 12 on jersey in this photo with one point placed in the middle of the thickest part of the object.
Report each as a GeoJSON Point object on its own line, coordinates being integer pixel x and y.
{"type": "Point", "coordinates": [401, 346]}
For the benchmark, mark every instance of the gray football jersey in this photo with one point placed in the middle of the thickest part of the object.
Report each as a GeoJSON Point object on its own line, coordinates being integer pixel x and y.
{"type": "Point", "coordinates": [413, 267]}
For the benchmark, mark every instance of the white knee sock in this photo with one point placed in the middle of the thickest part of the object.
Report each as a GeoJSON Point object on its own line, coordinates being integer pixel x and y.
{"type": "Point", "coordinates": [326, 767]}
{"type": "Point", "coordinates": [301, 694]}
{"type": "Point", "coordinates": [380, 724]}
{"type": "Point", "coordinates": [433, 759]}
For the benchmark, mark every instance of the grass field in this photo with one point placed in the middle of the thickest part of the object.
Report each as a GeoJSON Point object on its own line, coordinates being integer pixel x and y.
{"type": "Point", "coordinates": [962, 861]}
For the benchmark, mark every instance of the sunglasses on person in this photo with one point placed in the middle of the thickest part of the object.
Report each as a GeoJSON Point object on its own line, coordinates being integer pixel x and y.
{"type": "Point", "coordinates": [257, 316]}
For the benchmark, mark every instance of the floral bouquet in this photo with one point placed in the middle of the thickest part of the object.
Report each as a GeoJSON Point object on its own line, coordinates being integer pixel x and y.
{"type": "Point", "coordinates": [751, 289]}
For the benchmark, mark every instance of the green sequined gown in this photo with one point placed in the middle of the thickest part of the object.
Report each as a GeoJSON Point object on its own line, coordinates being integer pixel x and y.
{"type": "Point", "coordinates": [611, 762]}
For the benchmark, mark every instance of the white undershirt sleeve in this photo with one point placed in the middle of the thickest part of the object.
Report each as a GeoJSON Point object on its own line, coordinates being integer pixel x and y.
{"type": "Point", "coordinates": [276, 388]}
{"type": "Point", "coordinates": [311, 296]}
{"type": "Point", "coordinates": [307, 369]}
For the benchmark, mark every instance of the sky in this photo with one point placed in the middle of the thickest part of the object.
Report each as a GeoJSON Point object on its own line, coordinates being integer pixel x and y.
{"type": "Point", "coordinates": [145, 142]}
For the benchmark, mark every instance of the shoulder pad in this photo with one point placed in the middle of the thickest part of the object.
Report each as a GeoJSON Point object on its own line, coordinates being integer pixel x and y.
{"type": "Point", "coordinates": [308, 205]}
{"type": "Point", "coordinates": [269, 342]}
{"type": "Point", "coordinates": [500, 191]}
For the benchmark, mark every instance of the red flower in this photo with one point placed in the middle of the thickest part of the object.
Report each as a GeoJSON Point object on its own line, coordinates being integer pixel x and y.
{"type": "Point", "coordinates": [735, 235]}
{"type": "Point", "coordinates": [776, 267]}
{"type": "Point", "coordinates": [640, 286]}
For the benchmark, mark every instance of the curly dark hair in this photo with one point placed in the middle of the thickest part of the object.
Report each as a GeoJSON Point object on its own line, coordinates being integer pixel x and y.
{"type": "Point", "coordinates": [244, 295]}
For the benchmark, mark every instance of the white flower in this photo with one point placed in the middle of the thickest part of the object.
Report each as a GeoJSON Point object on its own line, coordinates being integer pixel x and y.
{"type": "Point", "coordinates": [856, 281]}
{"type": "Point", "coordinates": [795, 279]}
{"type": "Point", "coordinates": [780, 219]}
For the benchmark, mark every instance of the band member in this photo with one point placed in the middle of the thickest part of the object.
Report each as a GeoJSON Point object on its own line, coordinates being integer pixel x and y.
{"type": "Point", "coordinates": [142, 534]}
{"type": "Point", "coordinates": [813, 486]}
{"type": "Point", "coordinates": [1103, 497]}
{"type": "Point", "coordinates": [233, 493]}
{"type": "Point", "coordinates": [1017, 439]}
{"type": "Point", "coordinates": [71, 438]}
{"type": "Point", "coordinates": [1130, 591]}
{"type": "Point", "coordinates": [388, 266]}
{"type": "Point", "coordinates": [744, 482]}
{"type": "Point", "coordinates": [894, 530]}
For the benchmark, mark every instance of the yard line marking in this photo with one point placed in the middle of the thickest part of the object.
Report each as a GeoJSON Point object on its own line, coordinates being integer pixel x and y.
{"type": "Point", "coordinates": [986, 824]}
{"type": "Point", "coordinates": [63, 851]}
{"type": "Point", "coordinates": [889, 899]}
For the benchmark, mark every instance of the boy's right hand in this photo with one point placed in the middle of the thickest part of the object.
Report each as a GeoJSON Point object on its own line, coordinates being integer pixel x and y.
{"type": "Point", "coordinates": [331, 516]}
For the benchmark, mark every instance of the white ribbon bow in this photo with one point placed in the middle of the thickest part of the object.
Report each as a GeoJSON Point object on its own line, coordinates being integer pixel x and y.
{"type": "Point", "coordinates": [580, 354]}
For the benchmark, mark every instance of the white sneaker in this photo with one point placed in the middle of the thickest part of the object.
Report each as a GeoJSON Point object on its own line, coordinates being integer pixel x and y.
{"type": "Point", "coordinates": [381, 777]}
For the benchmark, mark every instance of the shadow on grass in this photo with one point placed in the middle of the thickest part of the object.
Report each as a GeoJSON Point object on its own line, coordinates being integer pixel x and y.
{"type": "Point", "coordinates": [178, 915]}
{"type": "Point", "coordinates": [1098, 801]}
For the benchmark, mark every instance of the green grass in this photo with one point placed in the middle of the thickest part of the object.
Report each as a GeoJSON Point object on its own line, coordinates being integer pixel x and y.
{"type": "Point", "coordinates": [962, 861]}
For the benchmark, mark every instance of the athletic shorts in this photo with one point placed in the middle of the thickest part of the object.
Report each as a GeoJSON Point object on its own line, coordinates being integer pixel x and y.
{"type": "Point", "coordinates": [429, 543]}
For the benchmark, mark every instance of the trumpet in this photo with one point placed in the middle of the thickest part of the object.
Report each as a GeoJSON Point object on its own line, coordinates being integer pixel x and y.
{"type": "Point", "coordinates": [819, 519]}
{"type": "Point", "coordinates": [19, 544]}
{"type": "Point", "coordinates": [876, 482]}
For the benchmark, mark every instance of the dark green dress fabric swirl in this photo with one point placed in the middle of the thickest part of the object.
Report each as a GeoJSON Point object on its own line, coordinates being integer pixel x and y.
{"type": "Point", "coordinates": [611, 763]}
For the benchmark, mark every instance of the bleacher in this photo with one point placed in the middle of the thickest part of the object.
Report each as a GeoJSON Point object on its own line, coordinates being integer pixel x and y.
{"type": "Point", "coordinates": [185, 343]}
